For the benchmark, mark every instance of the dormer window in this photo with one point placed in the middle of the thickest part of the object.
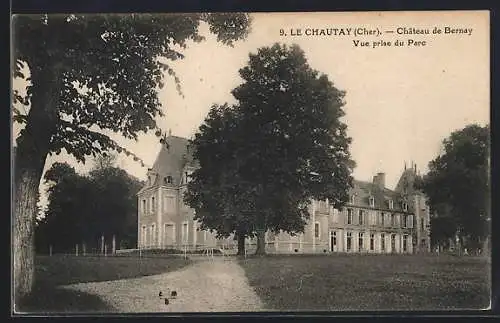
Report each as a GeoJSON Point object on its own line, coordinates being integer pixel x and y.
{"type": "Point", "coordinates": [187, 176]}
{"type": "Point", "coordinates": [372, 201]}
{"type": "Point", "coordinates": [405, 206]}
{"type": "Point", "coordinates": [391, 204]}
{"type": "Point", "coordinates": [168, 180]}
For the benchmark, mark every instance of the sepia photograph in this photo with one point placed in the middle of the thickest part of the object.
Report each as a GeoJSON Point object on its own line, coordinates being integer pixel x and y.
{"type": "Point", "coordinates": [250, 162]}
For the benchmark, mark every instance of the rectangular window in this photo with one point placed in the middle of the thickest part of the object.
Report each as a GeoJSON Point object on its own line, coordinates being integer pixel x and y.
{"type": "Point", "coordinates": [372, 201]}
{"type": "Point", "coordinates": [152, 204]}
{"type": "Point", "coordinates": [372, 242]}
{"type": "Point", "coordinates": [391, 204]}
{"type": "Point", "coordinates": [349, 241]}
{"type": "Point", "coordinates": [334, 238]}
{"type": "Point", "coordinates": [361, 215]}
{"type": "Point", "coordinates": [405, 207]}
{"type": "Point", "coordinates": [393, 220]}
{"type": "Point", "coordinates": [153, 235]}
{"type": "Point", "coordinates": [185, 232]}
{"type": "Point", "coordinates": [166, 235]}
{"type": "Point", "coordinates": [352, 199]}
{"type": "Point", "coordinates": [349, 216]}
{"type": "Point", "coordinates": [405, 243]}
{"type": "Point", "coordinates": [144, 235]}
{"type": "Point", "coordinates": [316, 230]}
{"type": "Point", "coordinates": [143, 206]}
{"type": "Point", "coordinates": [382, 242]}
{"type": "Point", "coordinates": [393, 243]}
{"type": "Point", "coordinates": [169, 205]}
{"type": "Point", "coordinates": [404, 220]}
{"type": "Point", "coordinates": [422, 227]}
{"type": "Point", "coordinates": [169, 234]}
{"type": "Point", "coordinates": [360, 241]}
{"type": "Point", "coordinates": [382, 219]}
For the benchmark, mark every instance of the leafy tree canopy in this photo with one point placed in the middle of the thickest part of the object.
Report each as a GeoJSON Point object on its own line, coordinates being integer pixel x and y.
{"type": "Point", "coordinates": [263, 159]}
{"type": "Point", "coordinates": [103, 71]}
{"type": "Point", "coordinates": [458, 181]}
{"type": "Point", "coordinates": [83, 207]}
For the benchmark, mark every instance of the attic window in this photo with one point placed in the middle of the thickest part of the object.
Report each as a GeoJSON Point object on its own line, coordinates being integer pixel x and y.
{"type": "Point", "coordinates": [168, 180]}
{"type": "Point", "coordinates": [372, 201]}
{"type": "Point", "coordinates": [391, 204]}
{"type": "Point", "coordinates": [188, 176]}
{"type": "Point", "coordinates": [405, 206]}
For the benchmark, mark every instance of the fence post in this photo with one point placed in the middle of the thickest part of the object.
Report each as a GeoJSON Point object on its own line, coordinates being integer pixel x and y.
{"type": "Point", "coordinates": [50, 250]}
{"type": "Point", "coordinates": [113, 250]}
{"type": "Point", "coordinates": [105, 250]}
{"type": "Point", "coordinates": [102, 244]}
{"type": "Point", "coordinates": [76, 249]}
{"type": "Point", "coordinates": [84, 249]}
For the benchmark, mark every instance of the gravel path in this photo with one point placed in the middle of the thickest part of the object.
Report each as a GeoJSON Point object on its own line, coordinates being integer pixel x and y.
{"type": "Point", "coordinates": [217, 285]}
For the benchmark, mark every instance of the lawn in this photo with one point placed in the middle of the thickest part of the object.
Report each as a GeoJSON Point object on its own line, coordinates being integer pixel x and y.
{"type": "Point", "coordinates": [57, 270]}
{"type": "Point", "coordinates": [370, 282]}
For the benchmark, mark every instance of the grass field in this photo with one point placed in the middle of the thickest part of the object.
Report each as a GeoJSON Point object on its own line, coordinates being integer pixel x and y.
{"type": "Point", "coordinates": [57, 270]}
{"type": "Point", "coordinates": [370, 282]}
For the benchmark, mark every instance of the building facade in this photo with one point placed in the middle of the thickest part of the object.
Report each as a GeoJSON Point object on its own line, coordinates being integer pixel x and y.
{"type": "Point", "coordinates": [375, 220]}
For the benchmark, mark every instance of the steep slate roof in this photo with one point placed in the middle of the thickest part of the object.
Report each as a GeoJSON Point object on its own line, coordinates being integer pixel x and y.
{"type": "Point", "coordinates": [406, 181]}
{"type": "Point", "coordinates": [174, 155]}
{"type": "Point", "coordinates": [363, 190]}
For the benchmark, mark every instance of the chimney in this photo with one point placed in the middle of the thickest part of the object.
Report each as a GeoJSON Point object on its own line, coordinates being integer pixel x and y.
{"type": "Point", "coordinates": [379, 180]}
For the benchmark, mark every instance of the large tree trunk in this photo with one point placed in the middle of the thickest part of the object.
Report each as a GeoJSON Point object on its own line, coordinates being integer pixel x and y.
{"type": "Point", "coordinates": [30, 154]}
{"type": "Point", "coordinates": [261, 242]}
{"type": "Point", "coordinates": [241, 244]}
{"type": "Point", "coordinates": [25, 197]}
{"type": "Point", "coordinates": [28, 172]}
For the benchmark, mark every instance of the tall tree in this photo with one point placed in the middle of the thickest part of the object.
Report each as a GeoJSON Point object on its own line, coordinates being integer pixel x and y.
{"type": "Point", "coordinates": [282, 144]}
{"type": "Point", "coordinates": [115, 205]}
{"type": "Point", "coordinates": [212, 190]}
{"type": "Point", "coordinates": [458, 187]}
{"type": "Point", "coordinates": [88, 73]}
{"type": "Point", "coordinates": [82, 208]}
{"type": "Point", "coordinates": [69, 197]}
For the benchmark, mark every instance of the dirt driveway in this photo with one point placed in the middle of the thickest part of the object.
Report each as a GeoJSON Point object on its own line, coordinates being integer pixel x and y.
{"type": "Point", "coordinates": [217, 285]}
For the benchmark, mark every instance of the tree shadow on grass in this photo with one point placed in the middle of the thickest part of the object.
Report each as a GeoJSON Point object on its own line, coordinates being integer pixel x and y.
{"type": "Point", "coordinates": [53, 300]}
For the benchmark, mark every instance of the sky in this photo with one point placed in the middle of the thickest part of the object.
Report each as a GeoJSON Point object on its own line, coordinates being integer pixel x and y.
{"type": "Point", "coordinates": [401, 102]}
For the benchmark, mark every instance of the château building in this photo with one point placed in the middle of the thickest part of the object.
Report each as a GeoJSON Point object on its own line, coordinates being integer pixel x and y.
{"type": "Point", "coordinates": [375, 220]}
